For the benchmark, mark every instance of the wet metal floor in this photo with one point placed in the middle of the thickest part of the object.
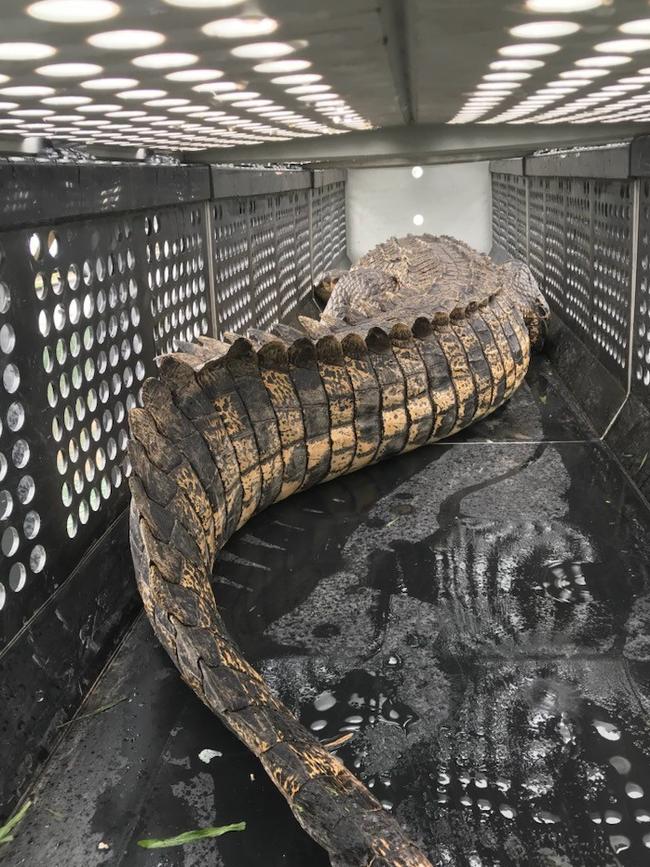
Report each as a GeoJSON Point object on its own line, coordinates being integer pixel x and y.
{"type": "Point", "coordinates": [477, 616]}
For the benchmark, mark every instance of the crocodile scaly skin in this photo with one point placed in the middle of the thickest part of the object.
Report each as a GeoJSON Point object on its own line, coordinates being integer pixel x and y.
{"type": "Point", "coordinates": [421, 338]}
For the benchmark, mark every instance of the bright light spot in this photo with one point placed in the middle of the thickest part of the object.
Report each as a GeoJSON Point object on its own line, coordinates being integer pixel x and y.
{"type": "Point", "coordinates": [506, 76]}
{"type": "Point", "coordinates": [309, 88]}
{"type": "Point", "coordinates": [604, 60]}
{"type": "Point", "coordinates": [246, 27]}
{"type": "Point", "coordinates": [418, 219]}
{"type": "Point", "coordinates": [560, 6]}
{"type": "Point", "coordinates": [69, 70]}
{"type": "Point", "coordinates": [516, 64]}
{"type": "Point", "coordinates": [165, 60]}
{"type": "Point", "coordinates": [98, 108]}
{"type": "Point", "coordinates": [607, 730]}
{"type": "Point", "coordinates": [66, 100]}
{"type": "Point", "coordinates": [584, 73]}
{"type": "Point", "coordinates": [529, 49]}
{"type": "Point", "coordinates": [304, 78]}
{"type": "Point", "coordinates": [203, 4]}
{"type": "Point", "coordinates": [123, 40]}
{"type": "Point", "coordinates": [628, 46]}
{"type": "Point", "coordinates": [109, 83]}
{"type": "Point", "coordinates": [167, 103]}
{"type": "Point", "coordinates": [253, 103]}
{"type": "Point", "coordinates": [231, 96]}
{"type": "Point", "coordinates": [73, 11]}
{"type": "Point", "coordinates": [544, 29]}
{"type": "Point", "coordinates": [640, 27]}
{"type": "Point", "coordinates": [262, 49]}
{"type": "Point", "coordinates": [31, 112]}
{"type": "Point", "coordinates": [195, 75]}
{"type": "Point", "coordinates": [25, 51]}
{"type": "Point", "coordinates": [317, 97]}
{"type": "Point", "coordinates": [127, 114]}
{"type": "Point", "coordinates": [141, 94]}
{"type": "Point", "coordinates": [189, 109]}
{"type": "Point", "coordinates": [217, 87]}
{"type": "Point", "coordinates": [275, 66]}
{"type": "Point", "coordinates": [633, 790]}
{"type": "Point", "coordinates": [27, 90]}
{"type": "Point", "coordinates": [417, 171]}
{"type": "Point", "coordinates": [499, 86]}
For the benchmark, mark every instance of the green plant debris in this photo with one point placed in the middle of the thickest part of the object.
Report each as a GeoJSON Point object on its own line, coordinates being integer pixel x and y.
{"type": "Point", "coordinates": [191, 836]}
{"type": "Point", "coordinates": [5, 831]}
{"type": "Point", "coordinates": [93, 713]}
{"type": "Point", "coordinates": [642, 464]}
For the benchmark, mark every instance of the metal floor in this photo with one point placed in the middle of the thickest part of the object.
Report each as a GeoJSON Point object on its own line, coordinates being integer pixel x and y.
{"type": "Point", "coordinates": [477, 614]}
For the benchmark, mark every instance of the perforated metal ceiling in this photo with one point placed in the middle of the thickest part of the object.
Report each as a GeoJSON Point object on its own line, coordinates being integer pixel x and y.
{"type": "Point", "coordinates": [197, 74]}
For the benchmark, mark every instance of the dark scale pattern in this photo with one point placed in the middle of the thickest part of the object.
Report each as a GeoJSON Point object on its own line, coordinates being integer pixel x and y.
{"type": "Point", "coordinates": [177, 275]}
{"type": "Point", "coordinates": [641, 346]}
{"type": "Point", "coordinates": [229, 428]}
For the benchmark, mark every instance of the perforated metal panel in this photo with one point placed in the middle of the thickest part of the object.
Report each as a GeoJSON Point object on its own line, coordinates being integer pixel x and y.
{"type": "Point", "coordinates": [286, 250]}
{"type": "Point", "coordinates": [641, 340]}
{"type": "Point", "coordinates": [266, 250]}
{"type": "Point", "coordinates": [337, 215]}
{"type": "Point", "coordinates": [612, 268]}
{"type": "Point", "coordinates": [264, 276]}
{"type": "Point", "coordinates": [517, 217]}
{"type": "Point", "coordinates": [500, 211]}
{"type": "Point", "coordinates": [232, 267]}
{"type": "Point", "coordinates": [509, 214]}
{"type": "Point", "coordinates": [302, 243]}
{"type": "Point", "coordinates": [77, 341]}
{"type": "Point", "coordinates": [536, 228]}
{"type": "Point", "coordinates": [103, 267]}
{"type": "Point", "coordinates": [174, 249]}
{"type": "Point", "coordinates": [580, 251]}
{"type": "Point", "coordinates": [554, 285]}
{"type": "Point", "coordinates": [85, 306]}
{"type": "Point", "coordinates": [579, 254]}
{"type": "Point", "coordinates": [318, 242]}
{"type": "Point", "coordinates": [328, 227]}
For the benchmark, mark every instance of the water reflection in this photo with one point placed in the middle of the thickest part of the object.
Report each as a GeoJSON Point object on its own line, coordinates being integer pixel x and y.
{"type": "Point", "coordinates": [456, 629]}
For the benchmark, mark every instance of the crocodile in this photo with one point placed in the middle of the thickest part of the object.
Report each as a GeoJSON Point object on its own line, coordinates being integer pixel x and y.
{"type": "Point", "coordinates": [421, 337]}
